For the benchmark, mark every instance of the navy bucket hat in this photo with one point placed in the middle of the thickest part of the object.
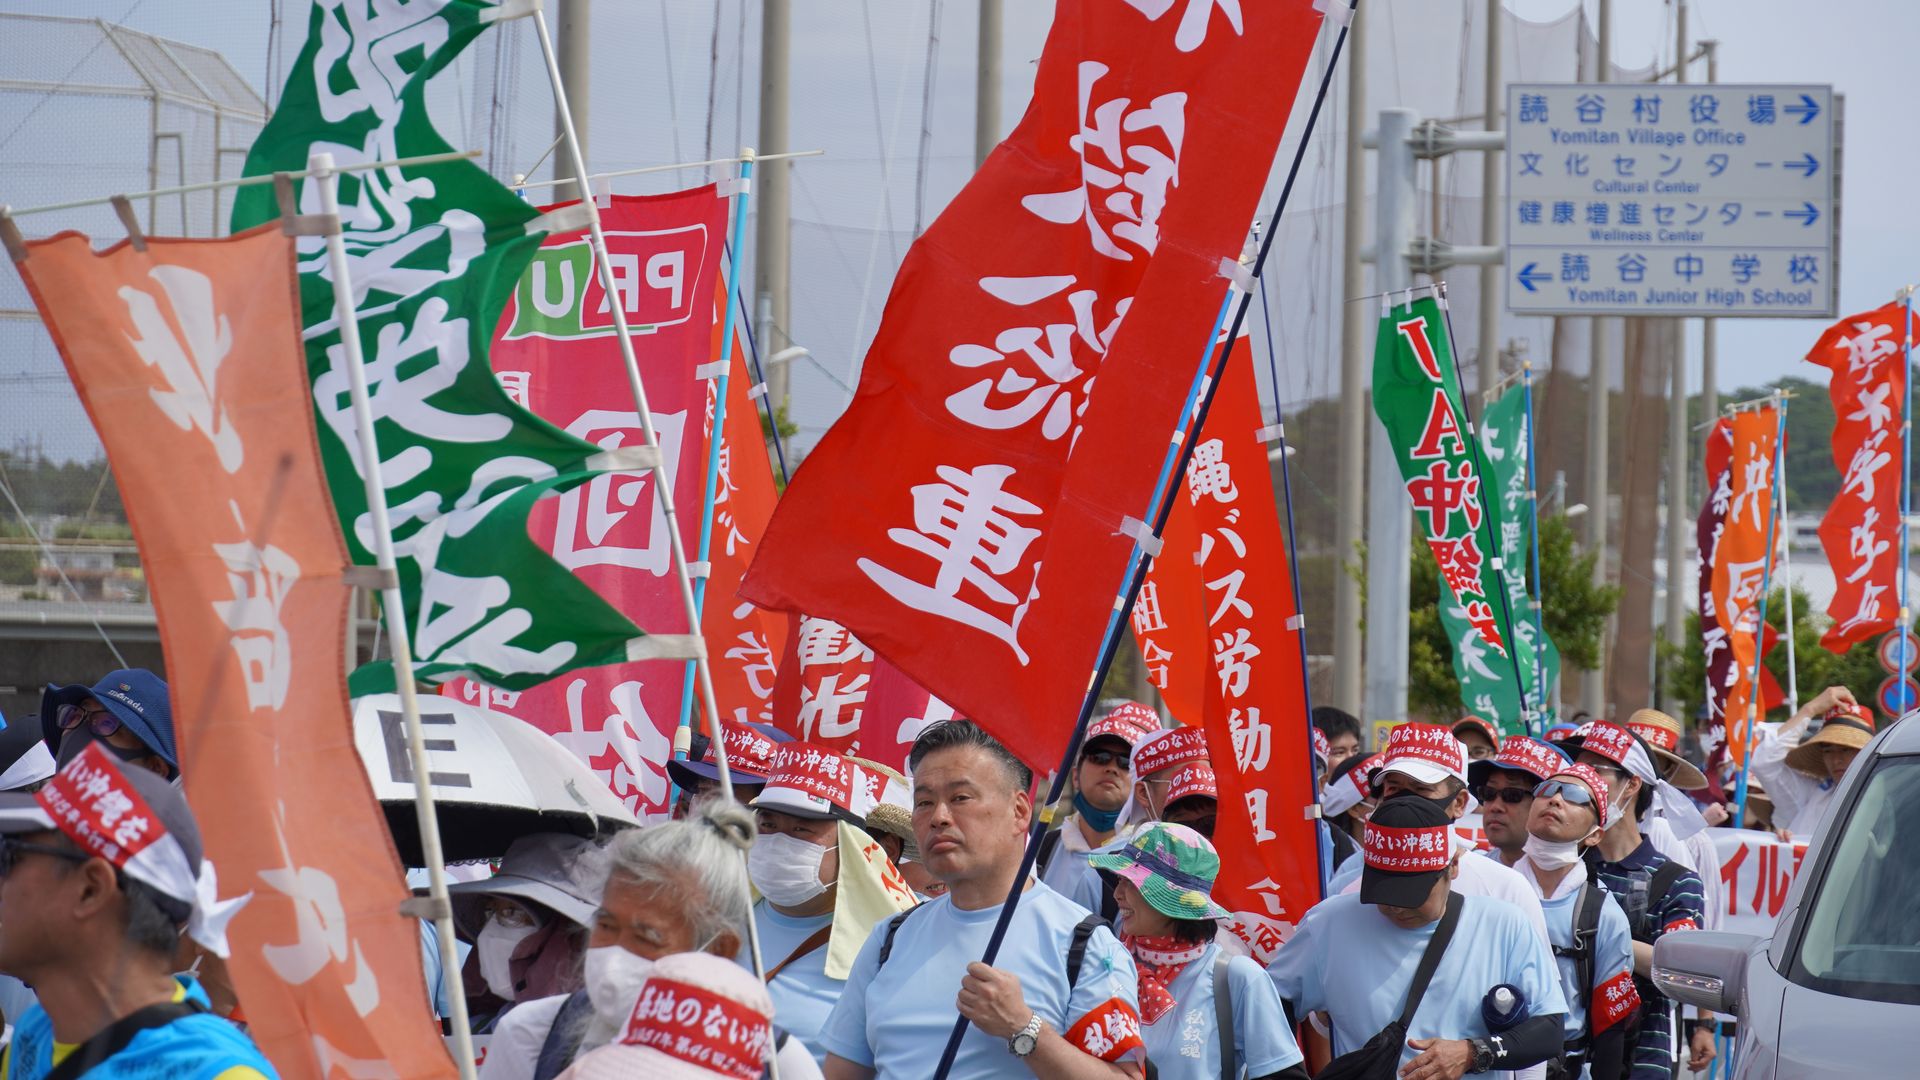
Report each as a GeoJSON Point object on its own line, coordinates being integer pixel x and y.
{"type": "Point", "coordinates": [136, 696]}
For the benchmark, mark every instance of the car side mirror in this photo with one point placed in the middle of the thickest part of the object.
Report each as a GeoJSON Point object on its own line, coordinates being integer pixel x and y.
{"type": "Point", "coordinates": [1704, 968]}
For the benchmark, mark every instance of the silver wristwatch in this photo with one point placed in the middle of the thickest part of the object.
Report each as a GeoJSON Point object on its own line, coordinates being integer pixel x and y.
{"type": "Point", "coordinates": [1024, 1040]}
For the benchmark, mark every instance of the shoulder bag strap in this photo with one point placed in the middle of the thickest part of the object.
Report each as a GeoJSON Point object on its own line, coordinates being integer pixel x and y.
{"type": "Point", "coordinates": [1077, 948]}
{"type": "Point", "coordinates": [1430, 960]}
{"type": "Point", "coordinates": [814, 941]}
{"type": "Point", "coordinates": [1223, 1015]}
{"type": "Point", "coordinates": [1049, 842]}
{"type": "Point", "coordinates": [886, 943]}
{"type": "Point", "coordinates": [114, 1038]}
{"type": "Point", "coordinates": [1663, 880]}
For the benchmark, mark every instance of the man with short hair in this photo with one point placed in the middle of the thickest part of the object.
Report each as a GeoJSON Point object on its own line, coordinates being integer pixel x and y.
{"type": "Point", "coordinates": [95, 929]}
{"type": "Point", "coordinates": [1061, 999]}
{"type": "Point", "coordinates": [1342, 730]}
{"type": "Point", "coordinates": [1102, 780]}
{"type": "Point", "coordinates": [1503, 785]}
{"type": "Point", "coordinates": [1478, 734]}
{"type": "Point", "coordinates": [127, 712]}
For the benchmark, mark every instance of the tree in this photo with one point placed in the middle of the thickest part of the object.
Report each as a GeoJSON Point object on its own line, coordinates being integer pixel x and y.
{"type": "Point", "coordinates": [1858, 669]}
{"type": "Point", "coordinates": [1574, 611]}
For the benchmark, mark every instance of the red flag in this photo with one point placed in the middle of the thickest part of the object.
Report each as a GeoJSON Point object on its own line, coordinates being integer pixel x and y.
{"type": "Point", "coordinates": [1225, 529]}
{"type": "Point", "coordinates": [1861, 532]}
{"type": "Point", "coordinates": [187, 356]}
{"type": "Point", "coordinates": [1741, 559]}
{"type": "Point", "coordinates": [556, 353]}
{"type": "Point", "coordinates": [833, 691]}
{"type": "Point", "coordinates": [972, 513]}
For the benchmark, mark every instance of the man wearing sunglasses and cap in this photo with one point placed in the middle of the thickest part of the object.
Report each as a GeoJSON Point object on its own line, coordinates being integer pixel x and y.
{"type": "Point", "coordinates": [127, 712]}
{"type": "Point", "coordinates": [1103, 778]}
{"type": "Point", "coordinates": [101, 873]}
{"type": "Point", "coordinates": [1802, 763]}
{"type": "Point", "coordinates": [1503, 785]}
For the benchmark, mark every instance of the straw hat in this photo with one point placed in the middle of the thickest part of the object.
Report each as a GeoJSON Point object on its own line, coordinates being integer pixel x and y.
{"type": "Point", "coordinates": [1662, 736]}
{"type": "Point", "coordinates": [1844, 725]}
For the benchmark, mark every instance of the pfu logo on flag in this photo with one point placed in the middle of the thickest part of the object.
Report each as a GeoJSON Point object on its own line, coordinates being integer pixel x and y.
{"type": "Point", "coordinates": [561, 296]}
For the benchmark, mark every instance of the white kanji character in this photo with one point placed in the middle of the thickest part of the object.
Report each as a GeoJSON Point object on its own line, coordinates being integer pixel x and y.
{"type": "Point", "coordinates": [833, 711]}
{"type": "Point", "coordinates": [1146, 609]}
{"type": "Point", "coordinates": [588, 529]}
{"type": "Point", "coordinates": [259, 579]}
{"type": "Point", "coordinates": [1870, 344]}
{"type": "Point", "coordinates": [189, 362]}
{"type": "Point", "coordinates": [1014, 397]}
{"type": "Point", "coordinates": [756, 663]}
{"type": "Point", "coordinates": [623, 746]}
{"type": "Point", "coordinates": [823, 641]}
{"type": "Point", "coordinates": [1862, 544]}
{"type": "Point", "coordinates": [1135, 173]}
{"type": "Point", "coordinates": [1257, 813]}
{"type": "Point", "coordinates": [1232, 658]}
{"type": "Point", "coordinates": [320, 919]}
{"type": "Point", "coordinates": [110, 806]}
{"type": "Point", "coordinates": [1874, 408]}
{"type": "Point", "coordinates": [1229, 585]}
{"type": "Point", "coordinates": [1209, 474]}
{"type": "Point", "coordinates": [1867, 460]}
{"type": "Point", "coordinates": [1193, 20]}
{"type": "Point", "coordinates": [1252, 739]}
{"type": "Point", "coordinates": [1869, 609]}
{"type": "Point", "coordinates": [517, 384]}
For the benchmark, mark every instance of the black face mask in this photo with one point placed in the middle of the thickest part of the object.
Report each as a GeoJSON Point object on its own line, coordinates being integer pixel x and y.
{"type": "Point", "coordinates": [74, 741]}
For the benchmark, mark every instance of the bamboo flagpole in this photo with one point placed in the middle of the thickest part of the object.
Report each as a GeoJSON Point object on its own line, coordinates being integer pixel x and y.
{"type": "Point", "coordinates": [1786, 572]}
{"type": "Point", "coordinates": [662, 478]}
{"type": "Point", "coordinates": [1179, 453]}
{"type": "Point", "coordinates": [1766, 584]}
{"type": "Point", "coordinates": [400, 635]}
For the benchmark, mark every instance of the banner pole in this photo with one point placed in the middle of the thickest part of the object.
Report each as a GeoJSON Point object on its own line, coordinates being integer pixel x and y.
{"type": "Point", "coordinates": [1488, 516]}
{"type": "Point", "coordinates": [760, 379]}
{"type": "Point", "coordinates": [1906, 502]}
{"type": "Point", "coordinates": [742, 187]}
{"type": "Point", "coordinates": [1786, 573]}
{"type": "Point", "coordinates": [1207, 383]}
{"type": "Point", "coordinates": [662, 477]}
{"type": "Point", "coordinates": [400, 635]}
{"type": "Point", "coordinates": [1760, 631]}
{"type": "Point", "coordinates": [1536, 595]}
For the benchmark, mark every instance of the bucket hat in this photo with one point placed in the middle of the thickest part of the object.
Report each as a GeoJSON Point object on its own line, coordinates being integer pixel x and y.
{"type": "Point", "coordinates": [136, 696]}
{"type": "Point", "coordinates": [1173, 867]}
{"type": "Point", "coordinates": [558, 871]}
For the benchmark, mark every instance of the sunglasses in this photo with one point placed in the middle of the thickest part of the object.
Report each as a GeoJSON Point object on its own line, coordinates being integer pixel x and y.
{"type": "Point", "coordinates": [1118, 758]}
{"type": "Point", "coordinates": [98, 718]}
{"type": "Point", "coordinates": [11, 850]}
{"type": "Point", "coordinates": [1569, 792]}
{"type": "Point", "coordinates": [1512, 796]}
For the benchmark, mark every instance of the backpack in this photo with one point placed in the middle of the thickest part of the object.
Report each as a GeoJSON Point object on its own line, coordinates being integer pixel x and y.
{"type": "Point", "coordinates": [1643, 896]}
{"type": "Point", "coordinates": [1586, 928]}
{"type": "Point", "coordinates": [1076, 948]}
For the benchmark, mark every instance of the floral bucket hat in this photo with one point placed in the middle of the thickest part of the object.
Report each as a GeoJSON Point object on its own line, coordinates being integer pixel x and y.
{"type": "Point", "coordinates": [1172, 866]}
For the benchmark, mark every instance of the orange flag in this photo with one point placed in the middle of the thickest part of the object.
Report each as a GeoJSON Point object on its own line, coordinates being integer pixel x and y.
{"type": "Point", "coordinates": [188, 358]}
{"type": "Point", "coordinates": [1741, 562]}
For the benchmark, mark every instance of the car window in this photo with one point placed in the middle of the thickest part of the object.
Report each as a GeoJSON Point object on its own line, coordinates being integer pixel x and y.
{"type": "Point", "coordinates": [1862, 936]}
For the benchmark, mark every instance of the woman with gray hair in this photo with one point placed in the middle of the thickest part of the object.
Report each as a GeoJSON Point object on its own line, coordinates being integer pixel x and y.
{"type": "Point", "coordinates": [679, 886]}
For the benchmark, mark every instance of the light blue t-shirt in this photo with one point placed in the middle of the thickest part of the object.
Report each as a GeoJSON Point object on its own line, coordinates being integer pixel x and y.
{"type": "Point", "coordinates": [1184, 1044]}
{"type": "Point", "coordinates": [1612, 954]}
{"type": "Point", "coordinates": [1352, 962]}
{"type": "Point", "coordinates": [1346, 873]}
{"type": "Point", "coordinates": [895, 1019]}
{"type": "Point", "coordinates": [802, 994]}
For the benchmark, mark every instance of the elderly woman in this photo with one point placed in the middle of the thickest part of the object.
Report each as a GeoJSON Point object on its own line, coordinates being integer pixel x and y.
{"type": "Point", "coordinates": [677, 887]}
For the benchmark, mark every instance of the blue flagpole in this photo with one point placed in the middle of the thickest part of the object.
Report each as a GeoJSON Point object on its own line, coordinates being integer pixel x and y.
{"type": "Point", "coordinates": [743, 186]}
{"type": "Point", "coordinates": [1766, 584]}
{"type": "Point", "coordinates": [1534, 593]}
{"type": "Point", "coordinates": [760, 379]}
{"type": "Point", "coordinates": [1906, 502]}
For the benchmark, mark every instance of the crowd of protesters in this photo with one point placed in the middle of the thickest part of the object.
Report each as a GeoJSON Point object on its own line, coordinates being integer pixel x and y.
{"type": "Point", "coordinates": [867, 899]}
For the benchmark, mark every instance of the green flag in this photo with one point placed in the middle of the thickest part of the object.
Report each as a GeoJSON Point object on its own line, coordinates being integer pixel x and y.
{"type": "Point", "coordinates": [1486, 686]}
{"type": "Point", "coordinates": [1417, 397]}
{"type": "Point", "coordinates": [434, 252]}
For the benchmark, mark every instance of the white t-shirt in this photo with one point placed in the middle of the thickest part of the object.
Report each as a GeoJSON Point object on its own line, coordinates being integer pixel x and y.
{"type": "Point", "coordinates": [1355, 964]}
{"type": "Point", "coordinates": [1184, 1044]}
{"type": "Point", "coordinates": [1068, 864]}
{"type": "Point", "coordinates": [1798, 799]}
{"type": "Point", "coordinates": [895, 1018]}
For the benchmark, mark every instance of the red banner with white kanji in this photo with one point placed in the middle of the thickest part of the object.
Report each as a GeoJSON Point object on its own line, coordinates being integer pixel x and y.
{"type": "Point", "coordinates": [1718, 651]}
{"type": "Point", "coordinates": [1861, 532]}
{"type": "Point", "coordinates": [556, 353]}
{"type": "Point", "coordinates": [1225, 528]}
{"type": "Point", "coordinates": [832, 691]}
{"type": "Point", "coordinates": [972, 513]}
{"type": "Point", "coordinates": [1742, 562]}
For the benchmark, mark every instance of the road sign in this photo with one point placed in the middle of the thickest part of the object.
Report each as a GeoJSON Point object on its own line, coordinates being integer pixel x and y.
{"type": "Point", "coordinates": [1671, 199]}
{"type": "Point", "coordinates": [1889, 696]}
{"type": "Point", "coordinates": [1890, 651]}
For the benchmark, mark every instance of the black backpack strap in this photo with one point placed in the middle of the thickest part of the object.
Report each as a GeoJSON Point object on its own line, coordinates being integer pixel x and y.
{"type": "Point", "coordinates": [1223, 1015]}
{"type": "Point", "coordinates": [1049, 843]}
{"type": "Point", "coordinates": [563, 1038]}
{"type": "Point", "coordinates": [1109, 901]}
{"type": "Point", "coordinates": [1586, 930]}
{"type": "Point", "coordinates": [886, 942]}
{"type": "Point", "coordinates": [1077, 949]}
{"type": "Point", "coordinates": [1663, 880]}
{"type": "Point", "coordinates": [114, 1038]}
{"type": "Point", "coordinates": [1430, 959]}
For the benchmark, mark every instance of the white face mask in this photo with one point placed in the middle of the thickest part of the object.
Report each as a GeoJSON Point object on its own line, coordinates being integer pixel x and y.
{"type": "Point", "coordinates": [786, 869]}
{"type": "Point", "coordinates": [613, 979]}
{"type": "Point", "coordinates": [1552, 855]}
{"type": "Point", "coordinates": [494, 945]}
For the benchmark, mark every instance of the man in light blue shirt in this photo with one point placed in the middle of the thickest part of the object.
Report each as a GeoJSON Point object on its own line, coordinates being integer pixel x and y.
{"type": "Point", "coordinates": [1060, 999]}
{"type": "Point", "coordinates": [1354, 956]}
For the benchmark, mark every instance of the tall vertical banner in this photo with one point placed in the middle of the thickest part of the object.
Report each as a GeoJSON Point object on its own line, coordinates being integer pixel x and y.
{"type": "Point", "coordinates": [1716, 644]}
{"type": "Point", "coordinates": [1861, 532]}
{"type": "Point", "coordinates": [1486, 685]}
{"type": "Point", "coordinates": [557, 355]}
{"type": "Point", "coordinates": [972, 514]}
{"type": "Point", "coordinates": [832, 690]}
{"type": "Point", "coordinates": [187, 357]}
{"type": "Point", "coordinates": [1741, 560]}
{"type": "Point", "coordinates": [434, 251]}
{"type": "Point", "coordinates": [1417, 397]}
{"type": "Point", "coordinates": [1224, 558]}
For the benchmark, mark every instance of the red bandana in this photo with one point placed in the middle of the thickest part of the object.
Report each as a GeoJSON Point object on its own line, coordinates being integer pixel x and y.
{"type": "Point", "coordinates": [1160, 961]}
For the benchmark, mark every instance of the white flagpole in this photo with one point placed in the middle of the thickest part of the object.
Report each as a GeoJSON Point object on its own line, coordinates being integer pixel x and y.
{"type": "Point", "coordinates": [399, 634]}
{"type": "Point", "coordinates": [662, 479]}
{"type": "Point", "coordinates": [1786, 571]}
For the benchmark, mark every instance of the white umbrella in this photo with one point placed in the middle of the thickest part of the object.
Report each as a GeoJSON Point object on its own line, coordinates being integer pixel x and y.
{"type": "Point", "coordinates": [495, 778]}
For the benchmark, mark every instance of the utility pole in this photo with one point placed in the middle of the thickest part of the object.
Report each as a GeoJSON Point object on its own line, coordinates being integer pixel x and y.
{"type": "Point", "coordinates": [1677, 436]}
{"type": "Point", "coordinates": [986, 86]}
{"type": "Point", "coordinates": [1491, 281]}
{"type": "Point", "coordinates": [1389, 516]}
{"type": "Point", "coordinates": [574, 46]}
{"type": "Point", "coordinates": [1593, 686]}
{"type": "Point", "coordinates": [772, 230]}
{"type": "Point", "coordinates": [1355, 417]}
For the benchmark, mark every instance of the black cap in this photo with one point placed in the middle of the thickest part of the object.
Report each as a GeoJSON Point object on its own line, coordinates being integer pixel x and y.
{"type": "Point", "coordinates": [1408, 845]}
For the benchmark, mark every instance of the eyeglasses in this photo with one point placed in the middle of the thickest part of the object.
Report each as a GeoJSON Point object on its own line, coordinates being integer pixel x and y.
{"type": "Point", "coordinates": [11, 850]}
{"type": "Point", "coordinates": [508, 913]}
{"type": "Point", "coordinates": [1512, 796]}
{"type": "Point", "coordinates": [99, 719]}
{"type": "Point", "coordinates": [1116, 758]}
{"type": "Point", "coordinates": [1568, 791]}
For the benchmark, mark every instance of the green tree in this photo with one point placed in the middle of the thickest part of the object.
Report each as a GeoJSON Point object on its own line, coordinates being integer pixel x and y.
{"type": "Point", "coordinates": [1857, 669]}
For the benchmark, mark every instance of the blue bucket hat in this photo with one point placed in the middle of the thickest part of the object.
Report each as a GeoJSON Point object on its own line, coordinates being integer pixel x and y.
{"type": "Point", "coordinates": [136, 696]}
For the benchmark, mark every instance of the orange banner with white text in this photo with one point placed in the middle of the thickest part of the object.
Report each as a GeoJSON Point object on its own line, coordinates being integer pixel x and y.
{"type": "Point", "coordinates": [1742, 563]}
{"type": "Point", "coordinates": [187, 356]}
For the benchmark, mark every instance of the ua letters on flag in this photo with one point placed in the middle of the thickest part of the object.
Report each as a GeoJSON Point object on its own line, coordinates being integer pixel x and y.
{"type": "Point", "coordinates": [187, 356]}
{"type": "Point", "coordinates": [968, 516]}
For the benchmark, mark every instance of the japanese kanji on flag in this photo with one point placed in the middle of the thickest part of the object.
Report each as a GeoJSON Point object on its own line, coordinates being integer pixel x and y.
{"type": "Point", "coordinates": [833, 691]}
{"type": "Point", "coordinates": [1223, 565]}
{"type": "Point", "coordinates": [1741, 561]}
{"type": "Point", "coordinates": [1721, 669]}
{"type": "Point", "coordinates": [557, 355]}
{"type": "Point", "coordinates": [1861, 532]}
{"type": "Point", "coordinates": [968, 516]}
{"type": "Point", "coordinates": [188, 358]}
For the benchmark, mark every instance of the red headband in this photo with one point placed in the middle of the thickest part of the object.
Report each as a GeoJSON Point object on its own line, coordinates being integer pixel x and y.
{"type": "Point", "coordinates": [1529, 756]}
{"type": "Point", "coordinates": [1408, 851]}
{"type": "Point", "coordinates": [1169, 748]}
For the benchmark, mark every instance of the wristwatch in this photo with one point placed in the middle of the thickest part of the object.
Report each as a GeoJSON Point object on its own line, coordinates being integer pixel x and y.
{"type": "Point", "coordinates": [1482, 1055]}
{"type": "Point", "coordinates": [1023, 1041]}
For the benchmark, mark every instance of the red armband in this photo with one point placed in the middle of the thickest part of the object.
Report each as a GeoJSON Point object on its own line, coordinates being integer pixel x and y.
{"type": "Point", "coordinates": [1613, 1001]}
{"type": "Point", "coordinates": [1683, 923]}
{"type": "Point", "coordinates": [1110, 1031]}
